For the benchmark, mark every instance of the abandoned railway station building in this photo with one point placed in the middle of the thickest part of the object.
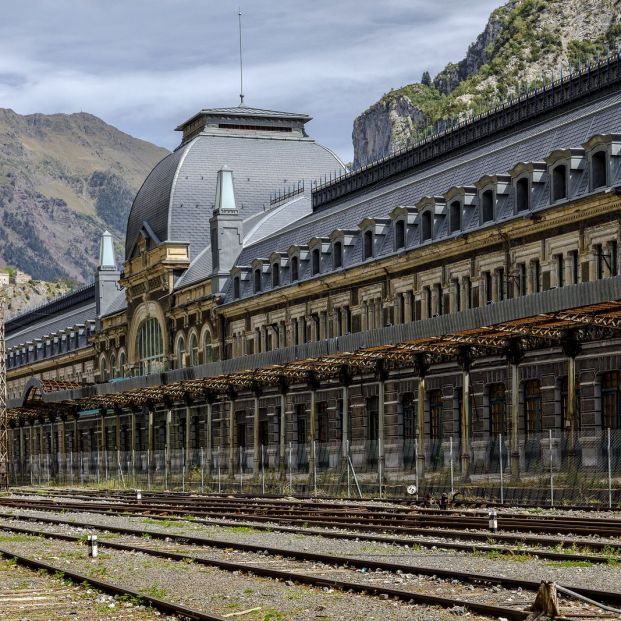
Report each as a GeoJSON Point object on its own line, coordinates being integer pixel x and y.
{"type": "Point", "coordinates": [456, 302]}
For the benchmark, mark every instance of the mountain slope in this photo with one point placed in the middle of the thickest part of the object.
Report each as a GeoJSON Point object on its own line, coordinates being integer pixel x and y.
{"type": "Point", "coordinates": [64, 178]}
{"type": "Point", "coordinates": [524, 42]}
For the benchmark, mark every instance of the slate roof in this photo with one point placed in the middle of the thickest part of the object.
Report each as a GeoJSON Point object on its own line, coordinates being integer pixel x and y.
{"type": "Point", "coordinates": [177, 197]}
{"type": "Point", "coordinates": [531, 142]}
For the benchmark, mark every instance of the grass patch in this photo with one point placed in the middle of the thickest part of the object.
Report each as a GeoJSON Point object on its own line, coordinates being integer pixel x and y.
{"type": "Point", "coordinates": [157, 591]}
{"type": "Point", "coordinates": [16, 538]}
{"type": "Point", "coordinates": [161, 523]}
{"type": "Point", "coordinates": [244, 530]}
{"type": "Point", "coordinates": [272, 614]}
{"type": "Point", "coordinates": [569, 563]}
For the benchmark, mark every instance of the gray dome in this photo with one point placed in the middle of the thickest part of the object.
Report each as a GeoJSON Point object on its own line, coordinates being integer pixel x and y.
{"type": "Point", "coordinates": [175, 202]}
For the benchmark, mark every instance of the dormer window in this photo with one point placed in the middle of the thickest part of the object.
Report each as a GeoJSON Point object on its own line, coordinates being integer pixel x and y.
{"type": "Point", "coordinates": [455, 217]}
{"type": "Point", "coordinates": [487, 205]}
{"type": "Point", "coordinates": [257, 280]}
{"type": "Point", "coordinates": [427, 226]}
{"type": "Point", "coordinates": [559, 182]}
{"type": "Point", "coordinates": [599, 170]}
{"type": "Point", "coordinates": [522, 195]}
{"type": "Point", "coordinates": [315, 262]}
{"type": "Point", "coordinates": [295, 269]}
{"type": "Point", "coordinates": [275, 274]}
{"type": "Point", "coordinates": [337, 255]}
{"type": "Point", "coordinates": [367, 251]}
{"type": "Point", "coordinates": [399, 234]}
{"type": "Point", "coordinates": [236, 288]}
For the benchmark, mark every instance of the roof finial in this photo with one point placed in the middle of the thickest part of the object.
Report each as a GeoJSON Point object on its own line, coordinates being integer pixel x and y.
{"type": "Point", "coordinates": [241, 62]}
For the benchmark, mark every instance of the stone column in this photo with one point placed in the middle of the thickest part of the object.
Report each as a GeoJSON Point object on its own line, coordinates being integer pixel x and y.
{"type": "Point", "coordinates": [381, 373]}
{"type": "Point", "coordinates": [515, 354]}
{"type": "Point", "coordinates": [571, 348]}
{"type": "Point", "coordinates": [464, 358]}
{"type": "Point", "coordinates": [150, 438]}
{"type": "Point", "coordinates": [312, 432]}
{"type": "Point", "coordinates": [188, 422]}
{"type": "Point", "coordinates": [168, 447]}
{"type": "Point", "coordinates": [421, 366]}
{"type": "Point", "coordinates": [282, 458]}
{"type": "Point", "coordinates": [256, 457]}
{"type": "Point", "coordinates": [231, 447]}
{"type": "Point", "coordinates": [209, 434]}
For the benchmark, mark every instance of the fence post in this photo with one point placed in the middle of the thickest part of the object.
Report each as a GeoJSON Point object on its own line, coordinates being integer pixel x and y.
{"type": "Point", "coordinates": [609, 473]}
{"type": "Point", "coordinates": [202, 470]}
{"type": "Point", "coordinates": [416, 466]}
{"type": "Point", "coordinates": [379, 464]}
{"type": "Point", "coordinates": [551, 472]}
{"type": "Point", "coordinates": [348, 475]}
{"type": "Point", "coordinates": [262, 471]}
{"type": "Point", "coordinates": [290, 471]}
{"type": "Point", "coordinates": [502, 487]}
{"type": "Point", "coordinates": [451, 460]}
{"type": "Point", "coordinates": [315, 466]}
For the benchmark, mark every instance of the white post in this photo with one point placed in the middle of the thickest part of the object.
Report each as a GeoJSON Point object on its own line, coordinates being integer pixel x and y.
{"type": "Point", "coordinates": [502, 487]}
{"type": "Point", "coordinates": [551, 473]}
{"type": "Point", "coordinates": [92, 546]}
{"type": "Point", "coordinates": [451, 460]}
{"type": "Point", "coordinates": [609, 473]}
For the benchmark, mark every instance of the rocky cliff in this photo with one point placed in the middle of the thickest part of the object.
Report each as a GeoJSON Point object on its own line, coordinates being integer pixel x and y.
{"type": "Point", "coordinates": [524, 41]}
{"type": "Point", "coordinates": [63, 180]}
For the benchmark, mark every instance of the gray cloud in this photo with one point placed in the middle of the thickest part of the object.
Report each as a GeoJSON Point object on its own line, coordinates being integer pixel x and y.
{"type": "Point", "coordinates": [144, 66]}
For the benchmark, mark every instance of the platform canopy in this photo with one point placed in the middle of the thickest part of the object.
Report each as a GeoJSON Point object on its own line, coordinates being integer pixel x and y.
{"type": "Point", "coordinates": [575, 314]}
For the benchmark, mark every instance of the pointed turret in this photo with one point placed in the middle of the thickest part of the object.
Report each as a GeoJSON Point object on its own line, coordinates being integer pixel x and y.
{"type": "Point", "coordinates": [107, 260]}
{"type": "Point", "coordinates": [107, 277]}
{"type": "Point", "coordinates": [226, 230]}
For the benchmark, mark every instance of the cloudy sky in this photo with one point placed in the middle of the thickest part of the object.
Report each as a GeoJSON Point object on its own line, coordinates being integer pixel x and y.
{"type": "Point", "coordinates": [146, 65]}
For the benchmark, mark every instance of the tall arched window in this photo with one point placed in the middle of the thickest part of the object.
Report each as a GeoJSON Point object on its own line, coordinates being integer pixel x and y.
{"type": "Point", "coordinates": [236, 288]}
{"type": "Point", "coordinates": [113, 369]}
{"type": "Point", "coordinates": [122, 364]}
{"type": "Point", "coordinates": [497, 410]}
{"type": "Point", "coordinates": [150, 347]}
{"type": "Point", "coordinates": [180, 350]}
{"type": "Point", "coordinates": [533, 417]}
{"type": "Point", "coordinates": [193, 350]}
{"type": "Point", "coordinates": [207, 348]}
{"type": "Point", "coordinates": [103, 369]}
{"type": "Point", "coordinates": [522, 198]}
{"type": "Point", "coordinates": [611, 400]}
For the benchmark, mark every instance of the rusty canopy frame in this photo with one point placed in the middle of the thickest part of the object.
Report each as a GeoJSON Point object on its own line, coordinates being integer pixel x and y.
{"type": "Point", "coordinates": [587, 323]}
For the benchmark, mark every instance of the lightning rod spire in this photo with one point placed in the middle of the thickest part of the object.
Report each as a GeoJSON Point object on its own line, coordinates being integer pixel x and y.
{"type": "Point", "coordinates": [241, 62]}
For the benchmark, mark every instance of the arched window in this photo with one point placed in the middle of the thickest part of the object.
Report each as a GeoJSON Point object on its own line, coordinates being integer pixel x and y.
{"type": "Point", "coordinates": [559, 182]}
{"type": "Point", "coordinates": [236, 288]}
{"type": "Point", "coordinates": [150, 347]}
{"type": "Point", "coordinates": [337, 255]}
{"type": "Point", "coordinates": [180, 349]}
{"type": "Point", "coordinates": [497, 410]}
{"type": "Point", "coordinates": [193, 350]}
{"type": "Point", "coordinates": [122, 364]}
{"type": "Point", "coordinates": [103, 369]}
{"type": "Point", "coordinates": [207, 348]}
{"type": "Point", "coordinates": [611, 400]}
{"type": "Point", "coordinates": [426, 229]}
{"type": "Point", "coordinates": [399, 234]}
{"type": "Point", "coordinates": [113, 369]}
{"type": "Point", "coordinates": [455, 217]}
{"type": "Point", "coordinates": [368, 245]}
{"type": "Point", "coordinates": [275, 275]}
{"type": "Point", "coordinates": [599, 176]}
{"type": "Point", "coordinates": [522, 196]}
{"type": "Point", "coordinates": [315, 261]}
{"type": "Point", "coordinates": [295, 269]}
{"type": "Point", "coordinates": [257, 280]}
{"type": "Point", "coordinates": [487, 206]}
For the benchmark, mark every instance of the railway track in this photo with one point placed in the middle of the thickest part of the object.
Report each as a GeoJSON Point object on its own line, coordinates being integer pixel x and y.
{"type": "Point", "coordinates": [358, 518]}
{"type": "Point", "coordinates": [493, 611]}
{"type": "Point", "coordinates": [310, 579]}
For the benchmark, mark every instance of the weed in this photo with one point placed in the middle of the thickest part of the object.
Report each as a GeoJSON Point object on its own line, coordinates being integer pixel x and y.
{"type": "Point", "coordinates": [248, 591]}
{"type": "Point", "coordinates": [271, 614]}
{"type": "Point", "coordinates": [569, 563]}
{"type": "Point", "coordinates": [134, 600]}
{"type": "Point", "coordinates": [243, 530]}
{"type": "Point", "coordinates": [161, 523]}
{"type": "Point", "coordinates": [156, 591]}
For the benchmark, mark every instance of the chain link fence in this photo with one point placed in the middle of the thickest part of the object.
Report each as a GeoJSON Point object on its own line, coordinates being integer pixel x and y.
{"type": "Point", "coordinates": [545, 469]}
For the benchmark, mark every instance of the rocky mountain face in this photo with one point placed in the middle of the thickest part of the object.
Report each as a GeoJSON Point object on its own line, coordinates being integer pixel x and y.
{"type": "Point", "coordinates": [523, 43]}
{"type": "Point", "coordinates": [64, 179]}
{"type": "Point", "coordinates": [29, 295]}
